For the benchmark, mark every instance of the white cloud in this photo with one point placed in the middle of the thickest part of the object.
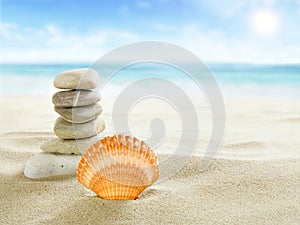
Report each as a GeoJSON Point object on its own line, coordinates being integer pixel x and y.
{"type": "Point", "coordinates": [55, 35]}
{"type": "Point", "coordinates": [215, 46]}
{"type": "Point", "coordinates": [235, 8]}
{"type": "Point", "coordinates": [270, 2]}
{"type": "Point", "coordinates": [9, 30]}
{"type": "Point", "coordinates": [51, 44]}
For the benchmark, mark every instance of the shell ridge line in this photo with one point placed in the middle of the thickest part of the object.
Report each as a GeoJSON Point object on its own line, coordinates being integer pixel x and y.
{"type": "Point", "coordinates": [98, 164]}
{"type": "Point", "coordinates": [121, 178]}
{"type": "Point", "coordinates": [106, 173]}
{"type": "Point", "coordinates": [80, 174]}
{"type": "Point", "coordinates": [126, 167]}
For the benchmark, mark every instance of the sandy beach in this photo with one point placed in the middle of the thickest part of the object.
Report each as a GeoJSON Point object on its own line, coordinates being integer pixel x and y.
{"type": "Point", "coordinates": [254, 180]}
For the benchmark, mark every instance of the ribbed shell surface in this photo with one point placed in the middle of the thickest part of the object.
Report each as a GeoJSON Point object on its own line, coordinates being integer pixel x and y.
{"type": "Point", "coordinates": [118, 167]}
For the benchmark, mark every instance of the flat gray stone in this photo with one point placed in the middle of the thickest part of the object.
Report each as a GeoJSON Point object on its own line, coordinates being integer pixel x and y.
{"type": "Point", "coordinates": [75, 98]}
{"type": "Point", "coordinates": [79, 114]}
{"type": "Point", "coordinates": [67, 130]}
{"type": "Point", "coordinates": [83, 78]}
{"type": "Point", "coordinates": [77, 147]}
{"type": "Point", "coordinates": [43, 165]}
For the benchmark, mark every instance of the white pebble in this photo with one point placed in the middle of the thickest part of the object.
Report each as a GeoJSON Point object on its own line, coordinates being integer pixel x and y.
{"type": "Point", "coordinates": [43, 165]}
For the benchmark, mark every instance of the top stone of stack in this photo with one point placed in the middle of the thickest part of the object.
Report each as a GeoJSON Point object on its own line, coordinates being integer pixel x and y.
{"type": "Point", "coordinates": [77, 79]}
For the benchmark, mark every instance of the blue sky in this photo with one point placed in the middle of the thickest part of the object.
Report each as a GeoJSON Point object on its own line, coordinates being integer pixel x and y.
{"type": "Point", "coordinates": [255, 31]}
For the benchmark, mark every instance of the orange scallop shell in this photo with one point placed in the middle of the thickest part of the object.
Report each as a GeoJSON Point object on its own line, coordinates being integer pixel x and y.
{"type": "Point", "coordinates": [118, 167]}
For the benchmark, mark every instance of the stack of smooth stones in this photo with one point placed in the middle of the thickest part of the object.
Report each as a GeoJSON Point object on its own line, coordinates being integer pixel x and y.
{"type": "Point", "coordinates": [77, 128]}
{"type": "Point", "coordinates": [79, 110]}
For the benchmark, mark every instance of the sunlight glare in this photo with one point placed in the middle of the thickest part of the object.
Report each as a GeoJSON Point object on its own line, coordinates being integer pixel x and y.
{"type": "Point", "coordinates": [264, 22]}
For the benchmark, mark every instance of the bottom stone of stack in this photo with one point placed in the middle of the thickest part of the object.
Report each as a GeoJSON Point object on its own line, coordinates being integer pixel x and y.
{"type": "Point", "coordinates": [43, 165]}
{"type": "Point", "coordinates": [79, 146]}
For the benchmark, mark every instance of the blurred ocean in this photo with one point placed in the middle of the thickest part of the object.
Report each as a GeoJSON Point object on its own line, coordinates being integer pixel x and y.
{"type": "Point", "coordinates": [233, 79]}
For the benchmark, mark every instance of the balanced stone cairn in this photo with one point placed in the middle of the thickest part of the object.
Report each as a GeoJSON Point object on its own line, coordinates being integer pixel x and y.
{"type": "Point", "coordinates": [77, 128]}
